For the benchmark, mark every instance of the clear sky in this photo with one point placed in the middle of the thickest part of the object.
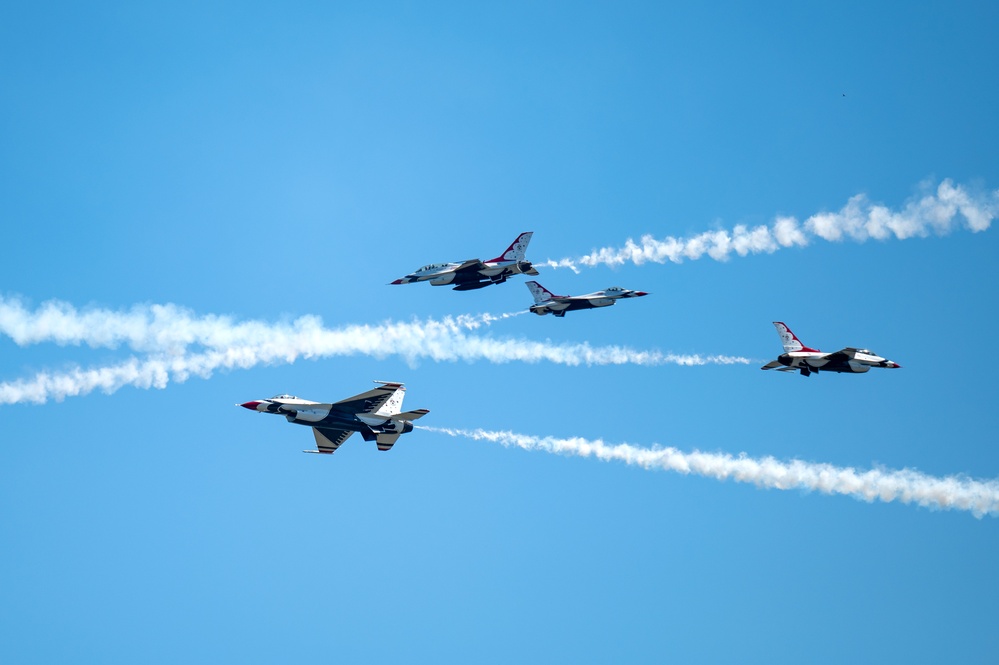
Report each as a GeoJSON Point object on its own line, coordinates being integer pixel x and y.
{"type": "Point", "coordinates": [265, 162]}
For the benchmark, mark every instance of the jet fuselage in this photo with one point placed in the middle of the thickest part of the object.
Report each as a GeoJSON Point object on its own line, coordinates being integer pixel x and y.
{"type": "Point", "coordinates": [807, 360]}
{"type": "Point", "coordinates": [316, 414]}
{"type": "Point", "coordinates": [444, 274]}
{"type": "Point", "coordinates": [545, 302]}
{"type": "Point", "coordinates": [476, 274]}
{"type": "Point", "coordinates": [828, 362]}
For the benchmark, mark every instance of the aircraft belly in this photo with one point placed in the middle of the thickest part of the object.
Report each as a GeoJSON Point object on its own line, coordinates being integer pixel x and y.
{"type": "Point", "coordinates": [576, 305]}
{"type": "Point", "coordinates": [442, 280]}
{"type": "Point", "coordinates": [336, 420]}
{"type": "Point", "coordinates": [311, 417]}
{"type": "Point", "coordinates": [472, 285]}
{"type": "Point", "coordinates": [838, 367]}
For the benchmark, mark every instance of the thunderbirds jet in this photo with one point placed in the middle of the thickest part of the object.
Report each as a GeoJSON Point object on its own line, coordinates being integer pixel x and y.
{"type": "Point", "coordinates": [476, 274]}
{"type": "Point", "coordinates": [799, 357]}
{"type": "Point", "coordinates": [376, 414]}
{"type": "Point", "coordinates": [545, 301]}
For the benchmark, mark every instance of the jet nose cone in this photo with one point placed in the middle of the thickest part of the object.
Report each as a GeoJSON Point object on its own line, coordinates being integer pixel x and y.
{"type": "Point", "coordinates": [398, 281]}
{"type": "Point", "coordinates": [893, 365]}
{"type": "Point", "coordinates": [641, 293]}
{"type": "Point", "coordinates": [252, 406]}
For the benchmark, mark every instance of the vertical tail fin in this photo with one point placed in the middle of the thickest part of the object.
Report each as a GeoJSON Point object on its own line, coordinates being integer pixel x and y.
{"type": "Point", "coordinates": [540, 293]}
{"type": "Point", "coordinates": [393, 404]}
{"type": "Point", "coordinates": [516, 250]}
{"type": "Point", "coordinates": [789, 339]}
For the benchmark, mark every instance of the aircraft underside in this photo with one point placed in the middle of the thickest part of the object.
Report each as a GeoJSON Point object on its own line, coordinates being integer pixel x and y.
{"type": "Point", "coordinates": [475, 280]}
{"type": "Point", "coordinates": [578, 305]}
{"type": "Point", "coordinates": [807, 368]}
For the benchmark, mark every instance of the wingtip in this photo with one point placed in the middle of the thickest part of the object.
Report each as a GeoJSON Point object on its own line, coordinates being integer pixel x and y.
{"type": "Point", "coordinates": [390, 384]}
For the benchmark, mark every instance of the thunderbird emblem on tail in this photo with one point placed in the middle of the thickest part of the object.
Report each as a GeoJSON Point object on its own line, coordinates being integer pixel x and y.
{"type": "Point", "coordinates": [476, 274]}
{"type": "Point", "coordinates": [376, 414]}
{"type": "Point", "coordinates": [798, 357]}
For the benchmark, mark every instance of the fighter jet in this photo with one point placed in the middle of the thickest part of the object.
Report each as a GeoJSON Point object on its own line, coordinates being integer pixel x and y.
{"type": "Point", "coordinates": [376, 414]}
{"type": "Point", "coordinates": [799, 357]}
{"type": "Point", "coordinates": [476, 274]}
{"type": "Point", "coordinates": [545, 301]}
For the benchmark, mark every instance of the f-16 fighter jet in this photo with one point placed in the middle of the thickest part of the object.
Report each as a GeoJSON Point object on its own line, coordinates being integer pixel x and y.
{"type": "Point", "coordinates": [476, 274]}
{"type": "Point", "coordinates": [799, 357]}
{"type": "Point", "coordinates": [545, 301]}
{"type": "Point", "coordinates": [376, 414]}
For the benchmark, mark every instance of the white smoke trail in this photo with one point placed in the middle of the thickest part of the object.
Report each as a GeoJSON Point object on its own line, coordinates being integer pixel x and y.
{"type": "Point", "coordinates": [937, 212]}
{"type": "Point", "coordinates": [475, 321]}
{"type": "Point", "coordinates": [244, 345]}
{"type": "Point", "coordinates": [980, 497]}
{"type": "Point", "coordinates": [153, 328]}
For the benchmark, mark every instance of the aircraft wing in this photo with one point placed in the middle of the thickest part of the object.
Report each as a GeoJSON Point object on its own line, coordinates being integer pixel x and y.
{"type": "Point", "coordinates": [371, 400]}
{"type": "Point", "coordinates": [774, 364]}
{"type": "Point", "coordinates": [328, 439]}
{"type": "Point", "coordinates": [472, 265]}
{"type": "Point", "coordinates": [842, 356]}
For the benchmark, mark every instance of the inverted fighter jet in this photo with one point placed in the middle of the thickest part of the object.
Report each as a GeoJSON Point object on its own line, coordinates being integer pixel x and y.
{"type": "Point", "coordinates": [798, 357]}
{"type": "Point", "coordinates": [476, 274]}
{"type": "Point", "coordinates": [547, 302]}
{"type": "Point", "coordinates": [376, 414]}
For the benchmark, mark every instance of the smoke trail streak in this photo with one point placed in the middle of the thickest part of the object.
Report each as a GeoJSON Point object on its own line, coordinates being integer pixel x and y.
{"type": "Point", "coordinates": [937, 212]}
{"type": "Point", "coordinates": [154, 328]}
{"type": "Point", "coordinates": [307, 338]}
{"type": "Point", "coordinates": [980, 497]}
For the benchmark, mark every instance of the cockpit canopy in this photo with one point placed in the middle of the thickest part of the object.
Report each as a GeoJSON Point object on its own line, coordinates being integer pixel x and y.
{"type": "Point", "coordinates": [433, 266]}
{"type": "Point", "coordinates": [284, 397]}
{"type": "Point", "coordinates": [867, 352]}
{"type": "Point", "coordinates": [614, 288]}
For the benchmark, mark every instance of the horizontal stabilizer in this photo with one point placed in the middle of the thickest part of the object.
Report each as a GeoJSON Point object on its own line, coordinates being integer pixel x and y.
{"type": "Point", "coordinates": [411, 415]}
{"type": "Point", "coordinates": [386, 441]}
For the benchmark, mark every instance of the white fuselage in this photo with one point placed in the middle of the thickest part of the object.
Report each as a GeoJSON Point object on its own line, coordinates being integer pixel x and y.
{"type": "Point", "coordinates": [305, 412]}
{"type": "Point", "coordinates": [860, 362]}
{"type": "Point", "coordinates": [440, 274]}
{"type": "Point", "coordinates": [560, 304]}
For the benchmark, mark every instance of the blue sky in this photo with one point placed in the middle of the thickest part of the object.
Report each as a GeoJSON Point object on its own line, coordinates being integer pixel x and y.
{"type": "Point", "coordinates": [267, 163]}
